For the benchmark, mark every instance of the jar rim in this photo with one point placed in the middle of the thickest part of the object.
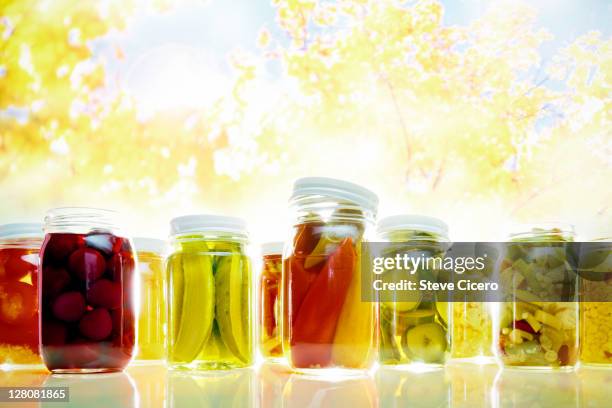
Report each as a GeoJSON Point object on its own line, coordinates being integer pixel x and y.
{"type": "Point", "coordinates": [207, 223]}
{"type": "Point", "coordinates": [526, 230]}
{"type": "Point", "coordinates": [78, 217]}
{"type": "Point", "coordinates": [335, 188]}
{"type": "Point", "coordinates": [272, 248]}
{"type": "Point", "coordinates": [415, 222]}
{"type": "Point", "coordinates": [21, 230]}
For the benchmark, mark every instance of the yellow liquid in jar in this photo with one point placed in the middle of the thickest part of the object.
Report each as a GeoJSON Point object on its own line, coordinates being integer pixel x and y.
{"type": "Point", "coordinates": [152, 320]}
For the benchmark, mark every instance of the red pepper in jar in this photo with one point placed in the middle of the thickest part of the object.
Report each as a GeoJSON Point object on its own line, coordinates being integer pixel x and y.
{"type": "Point", "coordinates": [315, 322]}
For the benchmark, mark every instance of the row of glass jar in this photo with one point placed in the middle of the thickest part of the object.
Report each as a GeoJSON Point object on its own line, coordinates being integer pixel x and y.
{"type": "Point", "coordinates": [311, 313]}
{"type": "Point", "coordinates": [322, 321]}
{"type": "Point", "coordinates": [70, 298]}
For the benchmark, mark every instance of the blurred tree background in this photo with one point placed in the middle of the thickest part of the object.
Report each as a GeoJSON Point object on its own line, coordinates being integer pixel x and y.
{"type": "Point", "coordinates": [468, 122]}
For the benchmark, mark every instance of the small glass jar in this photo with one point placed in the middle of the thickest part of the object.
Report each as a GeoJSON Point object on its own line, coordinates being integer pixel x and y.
{"type": "Point", "coordinates": [152, 314]}
{"type": "Point", "coordinates": [270, 341]}
{"type": "Point", "coordinates": [210, 323]}
{"type": "Point", "coordinates": [596, 303]}
{"type": "Point", "coordinates": [532, 328]}
{"type": "Point", "coordinates": [19, 334]}
{"type": "Point", "coordinates": [325, 322]}
{"type": "Point", "coordinates": [414, 330]}
{"type": "Point", "coordinates": [472, 328]}
{"type": "Point", "coordinates": [87, 292]}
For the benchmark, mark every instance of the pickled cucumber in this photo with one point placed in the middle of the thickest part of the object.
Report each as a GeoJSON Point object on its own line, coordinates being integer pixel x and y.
{"type": "Point", "coordinates": [197, 311]}
{"type": "Point", "coordinates": [231, 282]}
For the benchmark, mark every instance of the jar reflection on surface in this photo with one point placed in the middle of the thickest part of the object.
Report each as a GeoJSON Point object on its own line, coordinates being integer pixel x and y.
{"type": "Point", "coordinates": [100, 390]}
{"type": "Point", "coordinates": [272, 378]}
{"type": "Point", "coordinates": [150, 383]}
{"type": "Point", "coordinates": [19, 311]}
{"type": "Point", "coordinates": [152, 318]}
{"type": "Point", "coordinates": [22, 378]}
{"type": "Point", "coordinates": [595, 384]}
{"type": "Point", "coordinates": [330, 391]}
{"type": "Point", "coordinates": [515, 387]}
{"type": "Point", "coordinates": [421, 386]}
{"type": "Point", "coordinates": [211, 389]}
{"type": "Point", "coordinates": [471, 384]}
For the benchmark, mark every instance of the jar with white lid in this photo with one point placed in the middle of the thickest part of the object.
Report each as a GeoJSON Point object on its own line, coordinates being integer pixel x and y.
{"type": "Point", "coordinates": [19, 333]}
{"type": "Point", "coordinates": [270, 340]}
{"type": "Point", "coordinates": [210, 323]}
{"type": "Point", "coordinates": [152, 312]}
{"type": "Point", "coordinates": [326, 324]}
{"type": "Point", "coordinates": [414, 327]}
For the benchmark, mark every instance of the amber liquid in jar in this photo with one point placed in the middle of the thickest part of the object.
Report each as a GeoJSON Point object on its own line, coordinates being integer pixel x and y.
{"type": "Point", "coordinates": [19, 334]}
{"type": "Point", "coordinates": [269, 313]}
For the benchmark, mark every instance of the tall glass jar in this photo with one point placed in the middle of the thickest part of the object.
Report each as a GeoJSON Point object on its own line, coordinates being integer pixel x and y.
{"type": "Point", "coordinates": [414, 330]}
{"type": "Point", "coordinates": [270, 341]}
{"type": "Point", "coordinates": [532, 327]}
{"type": "Point", "coordinates": [19, 247]}
{"type": "Point", "coordinates": [596, 303]}
{"type": "Point", "coordinates": [210, 323]}
{"type": "Point", "coordinates": [152, 317]}
{"type": "Point", "coordinates": [325, 322]}
{"type": "Point", "coordinates": [87, 292]}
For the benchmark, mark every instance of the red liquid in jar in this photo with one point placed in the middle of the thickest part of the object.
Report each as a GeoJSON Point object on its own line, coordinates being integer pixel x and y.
{"type": "Point", "coordinates": [87, 308]}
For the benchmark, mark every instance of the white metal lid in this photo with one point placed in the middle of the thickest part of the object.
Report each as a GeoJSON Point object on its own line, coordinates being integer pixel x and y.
{"type": "Point", "coordinates": [272, 248]}
{"type": "Point", "coordinates": [207, 223]}
{"type": "Point", "coordinates": [22, 230]}
{"type": "Point", "coordinates": [341, 189]}
{"type": "Point", "coordinates": [143, 244]}
{"type": "Point", "coordinates": [412, 222]}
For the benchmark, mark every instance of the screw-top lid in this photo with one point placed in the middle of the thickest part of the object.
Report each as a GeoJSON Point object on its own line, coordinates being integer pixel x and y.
{"type": "Point", "coordinates": [207, 223]}
{"type": "Point", "coordinates": [22, 230]}
{"type": "Point", "coordinates": [412, 222]}
{"type": "Point", "coordinates": [142, 244]}
{"type": "Point", "coordinates": [335, 188]}
{"type": "Point", "coordinates": [272, 248]}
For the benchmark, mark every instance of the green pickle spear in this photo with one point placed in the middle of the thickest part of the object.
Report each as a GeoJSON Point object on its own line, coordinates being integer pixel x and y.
{"type": "Point", "coordinates": [231, 282]}
{"type": "Point", "coordinates": [197, 312]}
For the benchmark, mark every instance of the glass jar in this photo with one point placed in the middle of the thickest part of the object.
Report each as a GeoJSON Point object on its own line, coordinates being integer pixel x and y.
{"type": "Point", "coordinates": [209, 294]}
{"type": "Point", "coordinates": [87, 296]}
{"type": "Point", "coordinates": [270, 341]}
{"type": "Point", "coordinates": [595, 306]}
{"type": "Point", "coordinates": [414, 329]}
{"type": "Point", "coordinates": [152, 317]}
{"type": "Point", "coordinates": [19, 247]}
{"type": "Point", "coordinates": [533, 328]}
{"type": "Point", "coordinates": [472, 328]}
{"type": "Point", "coordinates": [325, 322]}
